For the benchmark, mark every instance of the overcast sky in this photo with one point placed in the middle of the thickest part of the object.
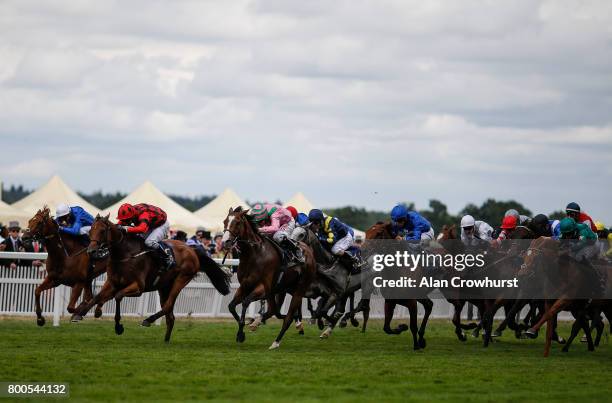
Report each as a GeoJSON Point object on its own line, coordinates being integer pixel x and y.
{"type": "Point", "coordinates": [351, 102]}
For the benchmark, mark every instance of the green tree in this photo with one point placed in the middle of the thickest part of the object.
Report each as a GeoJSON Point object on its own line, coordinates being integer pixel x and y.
{"type": "Point", "coordinates": [438, 215]}
{"type": "Point", "coordinates": [492, 211]}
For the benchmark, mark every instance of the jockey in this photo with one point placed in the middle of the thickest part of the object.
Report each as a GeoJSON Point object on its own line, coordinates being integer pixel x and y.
{"type": "Point", "coordinates": [521, 220]}
{"type": "Point", "coordinates": [334, 234]}
{"type": "Point", "coordinates": [73, 220]}
{"type": "Point", "coordinates": [277, 222]}
{"type": "Point", "coordinates": [472, 230]}
{"type": "Point", "coordinates": [573, 211]}
{"type": "Point", "coordinates": [409, 225]}
{"type": "Point", "coordinates": [542, 226]}
{"type": "Point", "coordinates": [585, 248]}
{"type": "Point", "coordinates": [509, 224]}
{"type": "Point", "coordinates": [151, 223]}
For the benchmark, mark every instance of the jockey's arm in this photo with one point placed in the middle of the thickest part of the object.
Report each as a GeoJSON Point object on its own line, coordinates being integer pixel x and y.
{"type": "Point", "coordinates": [141, 228]}
{"type": "Point", "coordinates": [273, 227]}
{"type": "Point", "coordinates": [73, 229]}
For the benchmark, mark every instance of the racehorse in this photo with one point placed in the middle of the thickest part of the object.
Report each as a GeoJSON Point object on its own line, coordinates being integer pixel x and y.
{"type": "Point", "coordinates": [379, 231]}
{"type": "Point", "coordinates": [562, 278]}
{"type": "Point", "coordinates": [260, 265]}
{"type": "Point", "coordinates": [334, 284]}
{"type": "Point", "coordinates": [133, 270]}
{"type": "Point", "coordinates": [67, 263]}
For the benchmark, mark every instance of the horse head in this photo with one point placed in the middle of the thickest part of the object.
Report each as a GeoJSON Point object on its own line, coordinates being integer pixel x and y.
{"type": "Point", "coordinates": [41, 226]}
{"type": "Point", "coordinates": [448, 232]}
{"type": "Point", "coordinates": [380, 230]}
{"type": "Point", "coordinates": [540, 251]}
{"type": "Point", "coordinates": [101, 236]}
{"type": "Point", "coordinates": [237, 226]}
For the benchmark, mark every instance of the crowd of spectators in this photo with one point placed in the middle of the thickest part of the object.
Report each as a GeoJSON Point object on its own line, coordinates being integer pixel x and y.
{"type": "Point", "coordinates": [11, 241]}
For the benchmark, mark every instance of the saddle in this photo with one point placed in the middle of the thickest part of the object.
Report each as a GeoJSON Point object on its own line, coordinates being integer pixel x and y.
{"type": "Point", "coordinates": [287, 258]}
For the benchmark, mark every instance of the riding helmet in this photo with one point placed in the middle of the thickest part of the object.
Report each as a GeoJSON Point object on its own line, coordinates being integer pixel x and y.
{"type": "Point", "coordinates": [398, 212]}
{"type": "Point", "coordinates": [315, 215]}
{"type": "Point", "coordinates": [572, 207]}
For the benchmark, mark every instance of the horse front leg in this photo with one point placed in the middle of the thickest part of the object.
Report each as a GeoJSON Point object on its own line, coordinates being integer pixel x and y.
{"type": "Point", "coordinates": [458, 305]}
{"type": "Point", "coordinates": [428, 306]}
{"type": "Point", "coordinates": [106, 293]}
{"type": "Point", "coordinates": [45, 285]}
{"type": "Point", "coordinates": [118, 326]}
{"type": "Point", "coordinates": [75, 293]}
{"type": "Point", "coordinates": [389, 311]}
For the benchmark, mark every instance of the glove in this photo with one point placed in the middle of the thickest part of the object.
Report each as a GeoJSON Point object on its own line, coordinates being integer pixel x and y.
{"type": "Point", "coordinates": [122, 228]}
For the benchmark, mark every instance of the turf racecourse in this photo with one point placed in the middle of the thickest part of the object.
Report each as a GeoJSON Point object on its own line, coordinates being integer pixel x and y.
{"type": "Point", "coordinates": [203, 362]}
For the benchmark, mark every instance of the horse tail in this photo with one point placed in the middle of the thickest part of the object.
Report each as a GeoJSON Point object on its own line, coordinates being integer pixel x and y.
{"type": "Point", "coordinates": [219, 278]}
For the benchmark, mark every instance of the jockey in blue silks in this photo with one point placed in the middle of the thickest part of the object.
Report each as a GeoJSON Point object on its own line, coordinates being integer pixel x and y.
{"type": "Point", "coordinates": [409, 225]}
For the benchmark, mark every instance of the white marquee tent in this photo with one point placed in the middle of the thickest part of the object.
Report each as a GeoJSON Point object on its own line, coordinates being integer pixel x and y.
{"type": "Point", "coordinates": [178, 216]}
{"type": "Point", "coordinates": [301, 203]}
{"type": "Point", "coordinates": [10, 213]}
{"type": "Point", "coordinates": [52, 193]}
{"type": "Point", "coordinates": [216, 211]}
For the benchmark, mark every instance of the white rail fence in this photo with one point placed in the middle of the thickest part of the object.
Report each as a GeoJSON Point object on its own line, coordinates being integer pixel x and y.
{"type": "Point", "coordinates": [198, 299]}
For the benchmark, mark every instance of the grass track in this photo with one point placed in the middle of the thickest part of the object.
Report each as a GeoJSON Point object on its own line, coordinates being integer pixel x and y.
{"type": "Point", "coordinates": [203, 362]}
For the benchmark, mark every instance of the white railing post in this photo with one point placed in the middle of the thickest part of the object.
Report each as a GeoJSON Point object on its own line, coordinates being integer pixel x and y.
{"type": "Point", "coordinates": [58, 303]}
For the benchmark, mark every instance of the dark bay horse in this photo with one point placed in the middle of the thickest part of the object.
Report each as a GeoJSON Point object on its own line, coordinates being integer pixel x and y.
{"type": "Point", "coordinates": [260, 268]}
{"type": "Point", "coordinates": [134, 270]}
{"type": "Point", "coordinates": [566, 284]}
{"type": "Point", "coordinates": [383, 231]}
{"type": "Point", "coordinates": [67, 263]}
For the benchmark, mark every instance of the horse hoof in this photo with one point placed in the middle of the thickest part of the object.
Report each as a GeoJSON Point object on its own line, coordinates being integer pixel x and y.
{"type": "Point", "coordinates": [240, 337]}
{"type": "Point", "coordinates": [475, 333]}
{"type": "Point", "coordinates": [342, 324]}
{"type": "Point", "coordinates": [40, 321]}
{"type": "Point", "coordinates": [560, 340]}
{"type": "Point", "coordinates": [301, 332]}
{"type": "Point", "coordinates": [354, 322]}
{"type": "Point", "coordinates": [320, 324]}
{"type": "Point", "coordinates": [326, 333]}
{"type": "Point", "coordinates": [119, 329]}
{"type": "Point", "coordinates": [531, 334]}
{"type": "Point", "coordinates": [497, 333]}
{"type": "Point", "coordinates": [300, 328]}
{"type": "Point", "coordinates": [145, 323]}
{"type": "Point", "coordinates": [98, 313]}
{"type": "Point", "coordinates": [422, 343]}
{"type": "Point", "coordinates": [402, 328]}
{"type": "Point", "coordinates": [274, 345]}
{"type": "Point", "coordinates": [565, 349]}
{"type": "Point", "coordinates": [461, 336]}
{"type": "Point", "coordinates": [76, 318]}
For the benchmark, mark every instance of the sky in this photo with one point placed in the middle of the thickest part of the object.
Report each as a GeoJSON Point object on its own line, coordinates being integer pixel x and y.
{"type": "Point", "coordinates": [365, 103]}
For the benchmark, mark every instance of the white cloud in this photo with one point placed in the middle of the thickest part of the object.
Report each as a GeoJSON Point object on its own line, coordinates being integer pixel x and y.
{"type": "Point", "coordinates": [409, 99]}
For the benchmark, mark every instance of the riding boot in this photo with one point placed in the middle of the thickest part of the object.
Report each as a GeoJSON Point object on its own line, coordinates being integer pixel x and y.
{"type": "Point", "coordinates": [357, 263]}
{"type": "Point", "coordinates": [166, 256]}
{"type": "Point", "coordinates": [295, 250]}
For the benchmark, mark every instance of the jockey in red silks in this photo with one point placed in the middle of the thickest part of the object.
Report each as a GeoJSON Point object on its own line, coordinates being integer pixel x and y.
{"type": "Point", "coordinates": [151, 222]}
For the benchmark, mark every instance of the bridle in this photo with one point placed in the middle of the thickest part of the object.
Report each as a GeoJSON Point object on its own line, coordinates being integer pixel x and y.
{"type": "Point", "coordinates": [540, 253]}
{"type": "Point", "coordinates": [103, 247]}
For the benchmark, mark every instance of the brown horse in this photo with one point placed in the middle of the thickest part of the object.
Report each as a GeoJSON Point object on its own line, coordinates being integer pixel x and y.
{"type": "Point", "coordinates": [133, 270]}
{"type": "Point", "coordinates": [260, 264]}
{"type": "Point", "coordinates": [67, 263]}
{"type": "Point", "coordinates": [383, 231]}
{"type": "Point", "coordinates": [566, 283]}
